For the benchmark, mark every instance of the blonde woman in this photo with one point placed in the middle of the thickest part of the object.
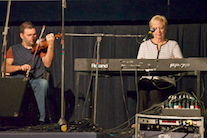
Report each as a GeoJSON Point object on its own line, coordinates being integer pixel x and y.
{"type": "Point", "coordinates": [158, 47]}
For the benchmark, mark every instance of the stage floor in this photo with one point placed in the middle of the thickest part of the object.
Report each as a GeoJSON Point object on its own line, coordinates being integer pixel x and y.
{"type": "Point", "coordinates": [87, 135]}
{"type": "Point", "coordinates": [51, 135]}
{"type": "Point", "coordinates": [51, 131]}
{"type": "Point", "coordinates": [81, 131]}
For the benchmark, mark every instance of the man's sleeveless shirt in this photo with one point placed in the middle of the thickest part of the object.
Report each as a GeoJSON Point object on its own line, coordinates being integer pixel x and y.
{"type": "Point", "coordinates": [22, 56]}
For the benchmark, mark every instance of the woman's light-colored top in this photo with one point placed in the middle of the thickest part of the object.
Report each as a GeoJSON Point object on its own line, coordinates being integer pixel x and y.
{"type": "Point", "coordinates": [149, 50]}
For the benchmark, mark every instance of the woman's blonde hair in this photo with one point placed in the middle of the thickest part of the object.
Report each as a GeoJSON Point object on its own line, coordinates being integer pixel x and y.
{"type": "Point", "coordinates": [157, 18]}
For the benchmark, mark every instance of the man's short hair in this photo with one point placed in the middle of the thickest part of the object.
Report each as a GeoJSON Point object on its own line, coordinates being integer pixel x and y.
{"type": "Point", "coordinates": [25, 25]}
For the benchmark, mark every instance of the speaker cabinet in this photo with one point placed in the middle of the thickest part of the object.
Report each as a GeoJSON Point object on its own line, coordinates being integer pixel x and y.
{"type": "Point", "coordinates": [17, 101]}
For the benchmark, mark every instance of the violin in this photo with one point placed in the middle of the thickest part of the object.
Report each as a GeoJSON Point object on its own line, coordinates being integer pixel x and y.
{"type": "Point", "coordinates": [43, 44]}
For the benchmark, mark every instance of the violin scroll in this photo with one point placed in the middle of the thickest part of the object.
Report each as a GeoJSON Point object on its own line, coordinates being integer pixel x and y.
{"type": "Point", "coordinates": [59, 35]}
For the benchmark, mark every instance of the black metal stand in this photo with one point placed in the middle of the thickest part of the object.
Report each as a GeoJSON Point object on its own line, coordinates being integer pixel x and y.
{"type": "Point", "coordinates": [99, 38]}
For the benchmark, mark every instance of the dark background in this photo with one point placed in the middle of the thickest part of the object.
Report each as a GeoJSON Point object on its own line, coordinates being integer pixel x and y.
{"type": "Point", "coordinates": [187, 25]}
{"type": "Point", "coordinates": [101, 11]}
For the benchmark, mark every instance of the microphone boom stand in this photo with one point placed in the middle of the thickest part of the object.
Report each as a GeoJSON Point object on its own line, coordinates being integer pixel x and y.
{"type": "Point", "coordinates": [96, 82]}
{"type": "Point", "coordinates": [4, 46]}
{"type": "Point", "coordinates": [62, 120]}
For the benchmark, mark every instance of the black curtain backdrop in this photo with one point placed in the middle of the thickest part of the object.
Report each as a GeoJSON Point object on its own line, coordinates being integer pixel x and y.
{"type": "Point", "coordinates": [111, 110]}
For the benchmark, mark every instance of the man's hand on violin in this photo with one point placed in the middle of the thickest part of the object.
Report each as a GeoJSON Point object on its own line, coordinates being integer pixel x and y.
{"type": "Point", "coordinates": [25, 67]}
{"type": "Point", "coordinates": [48, 58]}
{"type": "Point", "coordinates": [50, 39]}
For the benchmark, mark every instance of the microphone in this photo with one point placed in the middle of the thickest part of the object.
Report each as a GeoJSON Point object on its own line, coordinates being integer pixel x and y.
{"type": "Point", "coordinates": [148, 34]}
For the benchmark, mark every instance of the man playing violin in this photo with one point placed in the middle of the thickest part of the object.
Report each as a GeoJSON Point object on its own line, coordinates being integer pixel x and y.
{"type": "Point", "coordinates": [20, 60]}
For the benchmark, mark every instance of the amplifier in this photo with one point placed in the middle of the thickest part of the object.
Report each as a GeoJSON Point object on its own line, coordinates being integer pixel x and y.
{"type": "Point", "coordinates": [156, 126]}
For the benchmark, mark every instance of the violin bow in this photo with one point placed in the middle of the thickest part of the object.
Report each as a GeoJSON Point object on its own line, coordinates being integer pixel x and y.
{"type": "Point", "coordinates": [27, 73]}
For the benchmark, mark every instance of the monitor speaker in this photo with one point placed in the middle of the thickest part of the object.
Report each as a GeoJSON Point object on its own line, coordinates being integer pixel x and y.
{"type": "Point", "coordinates": [17, 102]}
